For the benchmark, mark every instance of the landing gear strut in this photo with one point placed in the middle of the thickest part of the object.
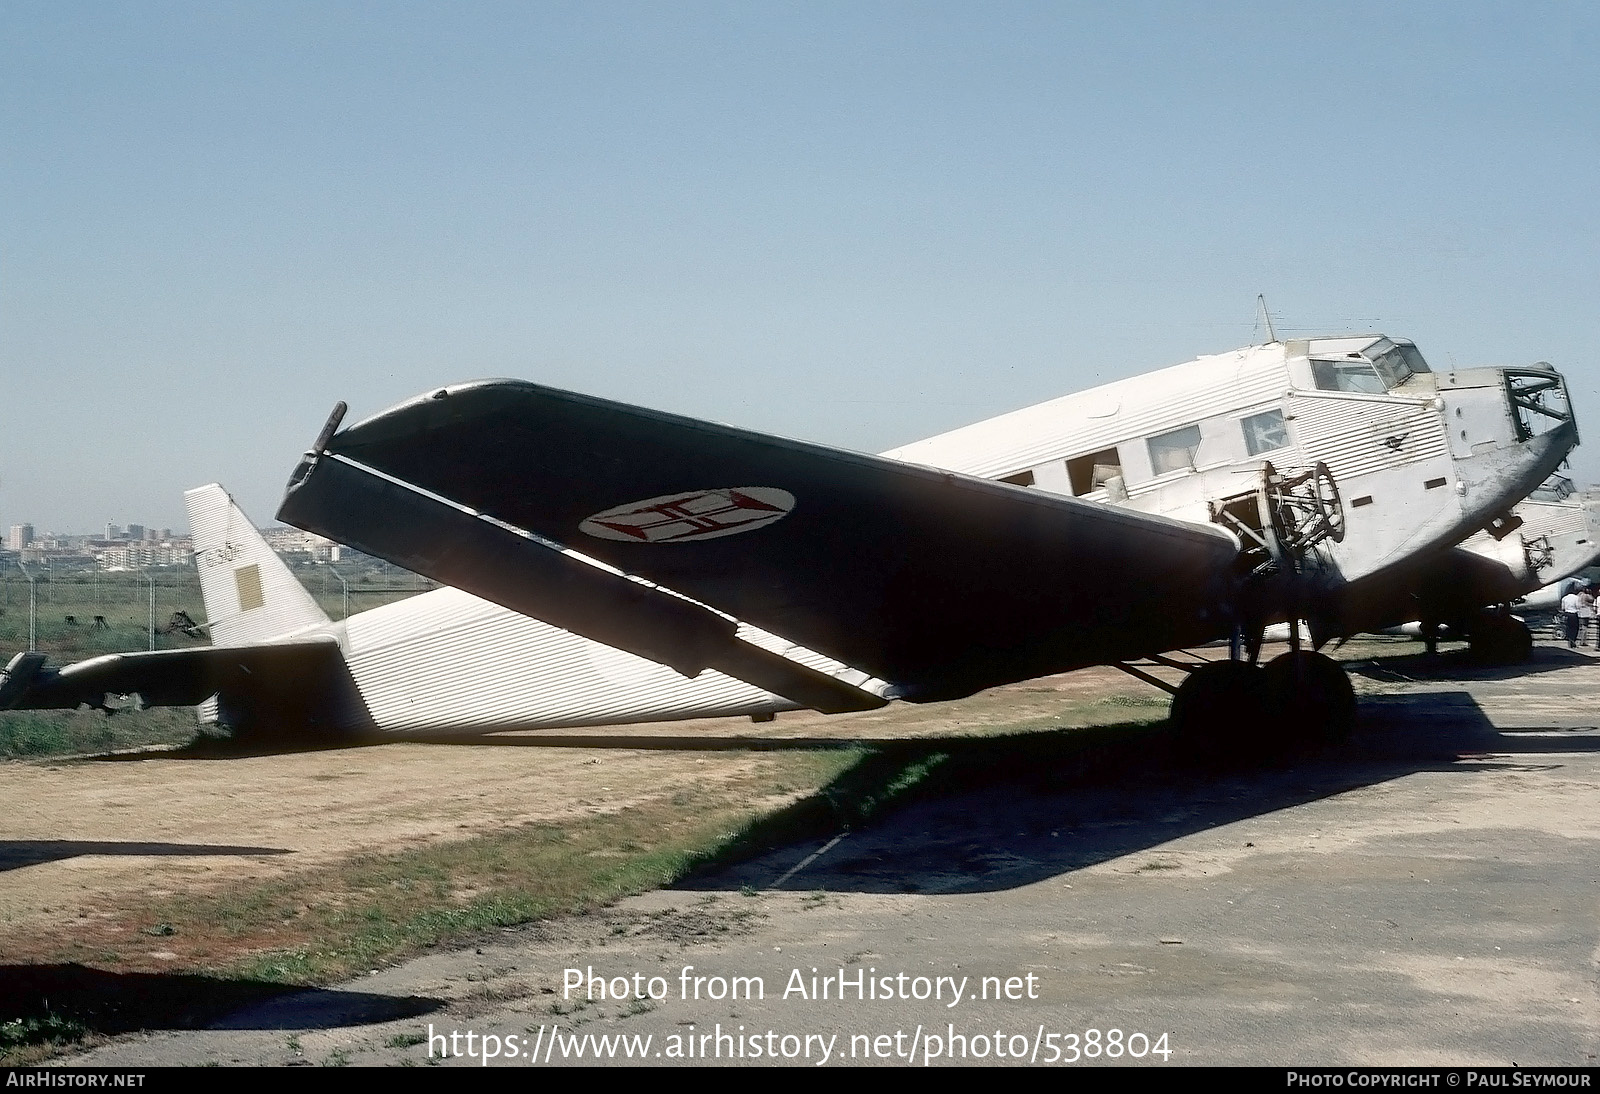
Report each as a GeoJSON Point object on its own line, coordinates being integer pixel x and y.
{"type": "Point", "coordinates": [1301, 697]}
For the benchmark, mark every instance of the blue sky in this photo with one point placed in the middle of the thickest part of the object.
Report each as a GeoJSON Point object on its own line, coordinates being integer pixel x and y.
{"type": "Point", "coordinates": [855, 223]}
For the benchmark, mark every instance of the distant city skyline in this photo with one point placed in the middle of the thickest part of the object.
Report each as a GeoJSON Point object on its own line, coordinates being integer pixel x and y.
{"type": "Point", "coordinates": [152, 547]}
{"type": "Point", "coordinates": [107, 531]}
{"type": "Point", "coordinates": [857, 224]}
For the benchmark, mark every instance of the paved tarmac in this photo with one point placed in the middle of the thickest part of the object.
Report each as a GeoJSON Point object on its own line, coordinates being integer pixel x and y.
{"type": "Point", "coordinates": [1427, 894]}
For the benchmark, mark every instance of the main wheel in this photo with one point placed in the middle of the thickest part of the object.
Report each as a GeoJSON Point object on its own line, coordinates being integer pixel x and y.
{"type": "Point", "coordinates": [1311, 696]}
{"type": "Point", "coordinates": [1218, 710]}
{"type": "Point", "coordinates": [1500, 639]}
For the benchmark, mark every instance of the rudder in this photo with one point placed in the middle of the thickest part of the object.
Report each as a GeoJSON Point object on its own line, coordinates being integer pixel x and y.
{"type": "Point", "coordinates": [250, 595]}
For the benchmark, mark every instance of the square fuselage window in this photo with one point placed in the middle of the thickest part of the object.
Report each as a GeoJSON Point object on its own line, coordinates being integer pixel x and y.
{"type": "Point", "coordinates": [1265, 432]}
{"type": "Point", "coordinates": [1089, 473]}
{"type": "Point", "coordinates": [1175, 450]}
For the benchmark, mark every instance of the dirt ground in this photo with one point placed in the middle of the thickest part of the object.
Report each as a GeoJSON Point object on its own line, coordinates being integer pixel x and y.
{"type": "Point", "coordinates": [83, 835]}
{"type": "Point", "coordinates": [80, 835]}
{"type": "Point", "coordinates": [1424, 894]}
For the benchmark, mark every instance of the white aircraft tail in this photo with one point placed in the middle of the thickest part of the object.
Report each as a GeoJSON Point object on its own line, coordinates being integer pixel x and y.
{"type": "Point", "coordinates": [249, 593]}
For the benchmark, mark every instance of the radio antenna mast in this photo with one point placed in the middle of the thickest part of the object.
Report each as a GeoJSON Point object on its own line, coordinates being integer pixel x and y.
{"type": "Point", "coordinates": [1265, 317]}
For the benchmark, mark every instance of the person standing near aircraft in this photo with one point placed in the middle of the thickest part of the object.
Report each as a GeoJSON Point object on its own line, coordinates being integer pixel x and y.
{"type": "Point", "coordinates": [1569, 616]}
{"type": "Point", "coordinates": [1585, 614]}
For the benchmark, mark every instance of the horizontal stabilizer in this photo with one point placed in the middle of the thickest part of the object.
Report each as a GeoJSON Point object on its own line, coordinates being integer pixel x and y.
{"type": "Point", "coordinates": [311, 673]}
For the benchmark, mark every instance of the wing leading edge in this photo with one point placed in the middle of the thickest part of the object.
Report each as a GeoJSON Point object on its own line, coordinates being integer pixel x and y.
{"type": "Point", "coordinates": [940, 583]}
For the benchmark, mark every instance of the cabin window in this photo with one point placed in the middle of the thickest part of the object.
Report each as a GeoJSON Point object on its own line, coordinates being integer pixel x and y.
{"type": "Point", "coordinates": [1089, 473]}
{"type": "Point", "coordinates": [1354, 375]}
{"type": "Point", "coordinates": [1264, 432]}
{"type": "Point", "coordinates": [1021, 478]}
{"type": "Point", "coordinates": [1174, 451]}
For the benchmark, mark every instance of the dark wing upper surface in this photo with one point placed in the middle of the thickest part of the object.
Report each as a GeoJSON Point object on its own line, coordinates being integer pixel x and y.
{"type": "Point", "coordinates": [938, 582]}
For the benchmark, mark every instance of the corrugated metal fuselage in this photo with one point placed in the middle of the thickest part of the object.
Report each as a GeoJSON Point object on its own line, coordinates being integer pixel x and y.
{"type": "Point", "coordinates": [1421, 463]}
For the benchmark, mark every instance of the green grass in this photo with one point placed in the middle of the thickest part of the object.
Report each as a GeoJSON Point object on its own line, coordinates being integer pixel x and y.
{"type": "Point", "coordinates": [123, 599]}
{"type": "Point", "coordinates": [28, 1040]}
{"type": "Point", "coordinates": [39, 734]}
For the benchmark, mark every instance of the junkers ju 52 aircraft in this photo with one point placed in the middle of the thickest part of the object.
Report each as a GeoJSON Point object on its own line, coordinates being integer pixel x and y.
{"type": "Point", "coordinates": [1202, 502]}
{"type": "Point", "coordinates": [1205, 501]}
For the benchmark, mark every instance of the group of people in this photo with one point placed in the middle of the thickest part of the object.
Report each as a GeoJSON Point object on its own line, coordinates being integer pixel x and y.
{"type": "Point", "coordinates": [1577, 614]}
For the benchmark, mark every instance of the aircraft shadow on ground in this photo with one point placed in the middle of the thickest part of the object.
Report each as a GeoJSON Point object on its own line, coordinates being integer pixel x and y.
{"type": "Point", "coordinates": [1460, 665]}
{"type": "Point", "coordinates": [110, 1002]}
{"type": "Point", "coordinates": [15, 854]}
{"type": "Point", "coordinates": [998, 814]}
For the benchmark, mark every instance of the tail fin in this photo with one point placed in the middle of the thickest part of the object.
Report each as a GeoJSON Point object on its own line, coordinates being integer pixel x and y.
{"type": "Point", "coordinates": [250, 595]}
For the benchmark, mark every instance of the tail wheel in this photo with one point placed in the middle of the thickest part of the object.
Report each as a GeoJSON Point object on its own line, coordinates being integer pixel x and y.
{"type": "Point", "coordinates": [1312, 696]}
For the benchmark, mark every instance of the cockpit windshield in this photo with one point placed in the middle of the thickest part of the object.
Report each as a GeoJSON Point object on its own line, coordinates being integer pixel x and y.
{"type": "Point", "coordinates": [1396, 362]}
{"type": "Point", "coordinates": [1352, 375]}
{"type": "Point", "coordinates": [1382, 366]}
{"type": "Point", "coordinates": [1555, 488]}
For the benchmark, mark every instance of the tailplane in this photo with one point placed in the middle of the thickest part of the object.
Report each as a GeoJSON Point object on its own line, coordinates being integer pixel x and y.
{"type": "Point", "coordinates": [249, 593]}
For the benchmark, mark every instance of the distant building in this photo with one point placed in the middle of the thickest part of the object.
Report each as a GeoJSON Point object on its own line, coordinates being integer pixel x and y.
{"type": "Point", "coordinates": [292, 541]}
{"type": "Point", "coordinates": [20, 537]}
{"type": "Point", "coordinates": [138, 556]}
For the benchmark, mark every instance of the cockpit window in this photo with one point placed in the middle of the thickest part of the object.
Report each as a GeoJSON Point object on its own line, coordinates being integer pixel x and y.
{"type": "Point", "coordinates": [1396, 363]}
{"type": "Point", "coordinates": [1354, 374]}
{"type": "Point", "coordinates": [1413, 359]}
{"type": "Point", "coordinates": [1555, 488]}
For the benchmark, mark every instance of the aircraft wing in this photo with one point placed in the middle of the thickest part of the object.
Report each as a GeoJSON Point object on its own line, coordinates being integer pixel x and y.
{"type": "Point", "coordinates": [939, 583]}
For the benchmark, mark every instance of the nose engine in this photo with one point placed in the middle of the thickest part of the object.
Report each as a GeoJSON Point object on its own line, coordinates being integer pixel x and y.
{"type": "Point", "coordinates": [1509, 429]}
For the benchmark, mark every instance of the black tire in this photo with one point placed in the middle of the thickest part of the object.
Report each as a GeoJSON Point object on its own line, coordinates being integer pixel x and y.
{"type": "Point", "coordinates": [1311, 697]}
{"type": "Point", "coordinates": [1218, 712]}
{"type": "Point", "coordinates": [1500, 640]}
{"type": "Point", "coordinates": [1519, 641]}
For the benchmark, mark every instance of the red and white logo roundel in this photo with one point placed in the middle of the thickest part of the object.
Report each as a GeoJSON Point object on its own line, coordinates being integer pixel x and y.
{"type": "Point", "coordinates": [697, 514]}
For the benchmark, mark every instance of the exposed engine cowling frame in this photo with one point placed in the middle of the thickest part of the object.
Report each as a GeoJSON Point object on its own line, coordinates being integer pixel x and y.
{"type": "Point", "coordinates": [1538, 552]}
{"type": "Point", "coordinates": [1286, 514]}
{"type": "Point", "coordinates": [1280, 522]}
